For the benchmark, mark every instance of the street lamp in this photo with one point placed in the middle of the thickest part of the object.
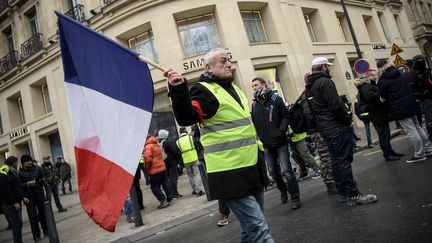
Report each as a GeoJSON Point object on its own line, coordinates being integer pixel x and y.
{"type": "Point", "coordinates": [357, 47]}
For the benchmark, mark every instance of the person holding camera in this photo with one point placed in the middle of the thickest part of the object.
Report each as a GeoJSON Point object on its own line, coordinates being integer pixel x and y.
{"type": "Point", "coordinates": [32, 181]}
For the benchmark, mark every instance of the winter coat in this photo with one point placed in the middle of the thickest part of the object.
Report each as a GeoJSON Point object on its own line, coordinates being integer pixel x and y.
{"type": "Point", "coordinates": [154, 163]}
{"type": "Point", "coordinates": [328, 109]}
{"type": "Point", "coordinates": [10, 191]}
{"type": "Point", "coordinates": [396, 91]}
{"type": "Point", "coordinates": [51, 174]}
{"type": "Point", "coordinates": [35, 173]}
{"type": "Point", "coordinates": [270, 119]}
{"type": "Point", "coordinates": [65, 171]}
{"type": "Point", "coordinates": [172, 152]}
{"type": "Point", "coordinates": [370, 95]}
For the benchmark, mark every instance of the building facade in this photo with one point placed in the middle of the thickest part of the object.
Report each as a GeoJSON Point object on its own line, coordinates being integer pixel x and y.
{"type": "Point", "coordinates": [272, 39]}
{"type": "Point", "coordinates": [420, 16]}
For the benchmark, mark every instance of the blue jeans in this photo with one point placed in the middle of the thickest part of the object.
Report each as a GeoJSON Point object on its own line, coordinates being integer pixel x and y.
{"type": "Point", "coordinates": [284, 168]}
{"type": "Point", "coordinates": [368, 132]}
{"type": "Point", "coordinates": [53, 189]}
{"type": "Point", "coordinates": [127, 208]}
{"type": "Point", "coordinates": [16, 223]}
{"type": "Point", "coordinates": [250, 212]}
{"type": "Point", "coordinates": [339, 142]}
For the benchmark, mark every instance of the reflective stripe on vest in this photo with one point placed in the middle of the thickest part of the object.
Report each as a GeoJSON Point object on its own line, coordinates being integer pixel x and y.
{"type": "Point", "coordinates": [187, 148]}
{"type": "Point", "coordinates": [4, 169]}
{"type": "Point", "coordinates": [297, 136]}
{"type": "Point", "coordinates": [142, 160]}
{"type": "Point", "coordinates": [229, 137]}
{"type": "Point", "coordinates": [364, 114]}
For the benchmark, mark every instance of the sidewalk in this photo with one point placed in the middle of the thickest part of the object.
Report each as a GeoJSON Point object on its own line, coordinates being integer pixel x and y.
{"type": "Point", "coordinates": [75, 226]}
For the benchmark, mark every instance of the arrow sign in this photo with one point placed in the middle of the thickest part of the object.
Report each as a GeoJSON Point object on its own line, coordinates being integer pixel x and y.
{"type": "Point", "coordinates": [395, 49]}
{"type": "Point", "coordinates": [399, 61]}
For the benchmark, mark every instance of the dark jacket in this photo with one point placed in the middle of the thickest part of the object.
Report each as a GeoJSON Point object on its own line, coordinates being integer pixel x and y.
{"type": "Point", "coordinates": [420, 84]}
{"type": "Point", "coordinates": [172, 152]}
{"type": "Point", "coordinates": [370, 95]}
{"type": "Point", "coordinates": [270, 119]}
{"type": "Point", "coordinates": [235, 183]}
{"type": "Point", "coordinates": [329, 110]}
{"type": "Point", "coordinates": [65, 171]}
{"type": "Point", "coordinates": [10, 192]}
{"type": "Point", "coordinates": [51, 174]}
{"type": "Point", "coordinates": [398, 95]}
{"type": "Point", "coordinates": [35, 173]}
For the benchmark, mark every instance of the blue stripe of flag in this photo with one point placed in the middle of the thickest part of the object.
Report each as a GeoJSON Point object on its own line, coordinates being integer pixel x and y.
{"type": "Point", "coordinates": [98, 63]}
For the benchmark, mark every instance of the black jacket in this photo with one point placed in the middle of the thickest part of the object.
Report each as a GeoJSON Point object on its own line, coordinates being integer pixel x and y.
{"type": "Point", "coordinates": [370, 95]}
{"type": "Point", "coordinates": [10, 191]}
{"type": "Point", "coordinates": [420, 84]}
{"type": "Point", "coordinates": [230, 184]}
{"type": "Point", "coordinates": [172, 152]}
{"type": "Point", "coordinates": [51, 174]}
{"type": "Point", "coordinates": [394, 88]}
{"type": "Point", "coordinates": [34, 173]}
{"type": "Point", "coordinates": [270, 119]}
{"type": "Point", "coordinates": [329, 110]}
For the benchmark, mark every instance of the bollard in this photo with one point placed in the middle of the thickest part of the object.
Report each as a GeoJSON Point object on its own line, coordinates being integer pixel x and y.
{"type": "Point", "coordinates": [204, 179]}
{"type": "Point", "coordinates": [51, 224]}
{"type": "Point", "coordinates": [135, 205]}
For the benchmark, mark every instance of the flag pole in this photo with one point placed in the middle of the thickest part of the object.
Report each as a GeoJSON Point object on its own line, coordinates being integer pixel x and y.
{"type": "Point", "coordinates": [150, 62]}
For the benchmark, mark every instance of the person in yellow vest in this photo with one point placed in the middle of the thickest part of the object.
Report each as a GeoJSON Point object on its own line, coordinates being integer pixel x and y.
{"type": "Point", "coordinates": [229, 140]}
{"type": "Point", "coordinates": [190, 160]}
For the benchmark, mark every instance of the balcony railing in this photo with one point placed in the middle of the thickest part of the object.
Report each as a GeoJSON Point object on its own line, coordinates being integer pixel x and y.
{"type": "Point", "coordinates": [108, 2]}
{"type": "Point", "coordinates": [77, 13]}
{"type": "Point", "coordinates": [3, 4]}
{"type": "Point", "coordinates": [8, 62]}
{"type": "Point", "coordinates": [31, 46]}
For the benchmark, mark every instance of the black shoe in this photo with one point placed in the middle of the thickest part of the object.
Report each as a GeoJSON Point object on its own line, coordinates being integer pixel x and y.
{"type": "Point", "coordinates": [361, 199]}
{"type": "Point", "coordinates": [194, 193]}
{"type": "Point", "coordinates": [200, 193]}
{"type": "Point", "coordinates": [295, 204]}
{"type": "Point", "coordinates": [61, 210]}
{"type": "Point", "coordinates": [392, 158]}
{"type": "Point", "coordinates": [398, 154]}
{"type": "Point", "coordinates": [303, 175]}
{"type": "Point", "coordinates": [331, 188]}
{"type": "Point", "coordinates": [284, 197]}
{"type": "Point", "coordinates": [370, 146]}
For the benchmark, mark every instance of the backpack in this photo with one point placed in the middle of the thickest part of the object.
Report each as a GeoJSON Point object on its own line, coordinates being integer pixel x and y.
{"type": "Point", "coordinates": [164, 154]}
{"type": "Point", "coordinates": [360, 108]}
{"type": "Point", "coordinates": [301, 118]}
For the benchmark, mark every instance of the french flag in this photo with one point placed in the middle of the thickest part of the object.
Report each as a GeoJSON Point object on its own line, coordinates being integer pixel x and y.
{"type": "Point", "coordinates": [110, 100]}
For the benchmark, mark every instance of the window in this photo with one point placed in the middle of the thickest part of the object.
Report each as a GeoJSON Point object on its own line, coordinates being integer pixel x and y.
{"type": "Point", "coordinates": [310, 28]}
{"type": "Point", "coordinates": [399, 27]}
{"type": "Point", "coordinates": [371, 28]}
{"type": "Point", "coordinates": [425, 13]}
{"type": "Point", "coordinates": [46, 98]}
{"type": "Point", "coordinates": [341, 29]}
{"type": "Point", "coordinates": [21, 110]}
{"type": "Point", "coordinates": [198, 34]}
{"type": "Point", "coordinates": [254, 26]}
{"type": "Point", "coordinates": [413, 7]}
{"type": "Point", "coordinates": [33, 20]}
{"type": "Point", "coordinates": [144, 44]}
{"type": "Point", "coordinates": [9, 39]}
{"type": "Point", "coordinates": [382, 21]}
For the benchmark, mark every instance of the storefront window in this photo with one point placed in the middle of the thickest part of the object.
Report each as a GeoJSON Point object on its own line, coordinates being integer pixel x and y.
{"type": "Point", "coordinates": [144, 45]}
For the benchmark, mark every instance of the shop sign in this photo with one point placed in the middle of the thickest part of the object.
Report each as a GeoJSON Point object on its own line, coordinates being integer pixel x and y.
{"type": "Point", "coordinates": [192, 64]}
{"type": "Point", "coordinates": [19, 133]}
{"type": "Point", "coordinates": [376, 47]}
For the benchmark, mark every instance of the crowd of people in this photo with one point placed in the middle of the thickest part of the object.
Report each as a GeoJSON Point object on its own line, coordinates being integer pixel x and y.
{"type": "Point", "coordinates": [234, 150]}
{"type": "Point", "coordinates": [31, 184]}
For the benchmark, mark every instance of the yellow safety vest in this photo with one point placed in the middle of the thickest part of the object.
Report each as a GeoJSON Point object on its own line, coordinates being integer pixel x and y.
{"type": "Point", "coordinates": [297, 136]}
{"type": "Point", "coordinates": [4, 169]}
{"type": "Point", "coordinates": [229, 137]}
{"type": "Point", "coordinates": [187, 148]}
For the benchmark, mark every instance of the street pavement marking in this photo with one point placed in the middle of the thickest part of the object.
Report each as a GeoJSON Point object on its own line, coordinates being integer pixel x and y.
{"type": "Point", "coordinates": [374, 152]}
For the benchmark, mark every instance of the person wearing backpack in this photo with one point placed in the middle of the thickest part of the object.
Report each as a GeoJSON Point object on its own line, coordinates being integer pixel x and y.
{"type": "Point", "coordinates": [362, 112]}
{"type": "Point", "coordinates": [270, 117]}
{"type": "Point", "coordinates": [333, 122]}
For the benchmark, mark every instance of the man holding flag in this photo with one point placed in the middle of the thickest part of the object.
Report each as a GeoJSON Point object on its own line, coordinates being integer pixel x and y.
{"type": "Point", "coordinates": [229, 140]}
{"type": "Point", "coordinates": [110, 99]}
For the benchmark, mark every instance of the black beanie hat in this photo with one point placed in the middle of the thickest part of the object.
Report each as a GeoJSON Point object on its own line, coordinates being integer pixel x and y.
{"type": "Point", "coordinates": [26, 158]}
{"type": "Point", "coordinates": [11, 160]}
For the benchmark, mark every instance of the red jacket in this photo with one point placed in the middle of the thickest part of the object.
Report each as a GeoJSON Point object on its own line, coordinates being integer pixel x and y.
{"type": "Point", "coordinates": [154, 163]}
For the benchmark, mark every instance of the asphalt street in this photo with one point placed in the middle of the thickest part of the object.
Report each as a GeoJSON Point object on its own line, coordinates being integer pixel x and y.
{"type": "Point", "coordinates": [403, 212]}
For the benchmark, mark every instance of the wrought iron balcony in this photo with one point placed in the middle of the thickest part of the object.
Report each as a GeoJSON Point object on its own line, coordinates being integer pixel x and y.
{"type": "Point", "coordinates": [77, 13]}
{"type": "Point", "coordinates": [8, 62]}
{"type": "Point", "coordinates": [108, 2]}
{"type": "Point", "coordinates": [31, 46]}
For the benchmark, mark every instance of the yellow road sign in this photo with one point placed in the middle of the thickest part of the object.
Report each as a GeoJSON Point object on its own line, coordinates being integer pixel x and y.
{"type": "Point", "coordinates": [399, 61]}
{"type": "Point", "coordinates": [395, 49]}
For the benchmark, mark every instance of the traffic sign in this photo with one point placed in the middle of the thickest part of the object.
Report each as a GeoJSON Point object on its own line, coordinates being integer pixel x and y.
{"type": "Point", "coordinates": [361, 66]}
{"type": "Point", "coordinates": [399, 61]}
{"type": "Point", "coordinates": [395, 49]}
{"type": "Point", "coordinates": [403, 68]}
